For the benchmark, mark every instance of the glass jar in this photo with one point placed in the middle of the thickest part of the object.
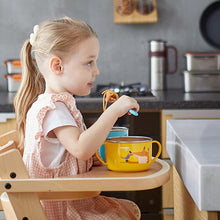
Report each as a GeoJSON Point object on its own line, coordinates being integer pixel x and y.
{"type": "Point", "coordinates": [145, 6]}
{"type": "Point", "coordinates": [124, 7]}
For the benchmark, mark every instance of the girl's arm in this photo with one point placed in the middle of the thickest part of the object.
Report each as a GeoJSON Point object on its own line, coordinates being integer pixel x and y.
{"type": "Point", "coordinates": [84, 145]}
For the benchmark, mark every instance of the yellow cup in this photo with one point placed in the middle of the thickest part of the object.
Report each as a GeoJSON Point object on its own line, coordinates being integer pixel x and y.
{"type": "Point", "coordinates": [129, 153]}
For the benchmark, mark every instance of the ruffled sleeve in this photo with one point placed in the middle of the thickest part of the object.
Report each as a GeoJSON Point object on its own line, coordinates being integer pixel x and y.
{"type": "Point", "coordinates": [69, 101]}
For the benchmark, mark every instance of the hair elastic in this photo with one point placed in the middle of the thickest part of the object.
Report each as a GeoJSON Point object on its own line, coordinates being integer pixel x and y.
{"type": "Point", "coordinates": [33, 35]}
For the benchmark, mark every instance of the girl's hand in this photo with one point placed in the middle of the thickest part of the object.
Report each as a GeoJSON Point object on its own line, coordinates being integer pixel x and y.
{"type": "Point", "coordinates": [123, 104]}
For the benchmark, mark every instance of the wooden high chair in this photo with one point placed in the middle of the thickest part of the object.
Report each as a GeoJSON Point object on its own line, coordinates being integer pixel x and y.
{"type": "Point", "coordinates": [21, 195]}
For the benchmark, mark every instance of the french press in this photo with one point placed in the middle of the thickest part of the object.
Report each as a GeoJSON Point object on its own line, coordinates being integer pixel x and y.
{"type": "Point", "coordinates": [159, 63]}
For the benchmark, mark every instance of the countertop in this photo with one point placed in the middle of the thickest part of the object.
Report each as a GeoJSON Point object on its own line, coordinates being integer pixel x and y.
{"type": "Point", "coordinates": [170, 99]}
{"type": "Point", "coordinates": [194, 149]}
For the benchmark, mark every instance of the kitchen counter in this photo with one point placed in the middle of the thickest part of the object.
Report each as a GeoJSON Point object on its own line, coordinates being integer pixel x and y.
{"type": "Point", "coordinates": [194, 149]}
{"type": "Point", "coordinates": [170, 99]}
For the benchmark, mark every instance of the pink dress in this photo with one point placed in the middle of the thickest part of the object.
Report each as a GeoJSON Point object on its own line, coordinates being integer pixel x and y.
{"type": "Point", "coordinates": [98, 207]}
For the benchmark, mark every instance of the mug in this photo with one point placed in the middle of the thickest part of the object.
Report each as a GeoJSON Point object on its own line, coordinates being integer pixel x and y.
{"type": "Point", "coordinates": [115, 132]}
{"type": "Point", "coordinates": [131, 153]}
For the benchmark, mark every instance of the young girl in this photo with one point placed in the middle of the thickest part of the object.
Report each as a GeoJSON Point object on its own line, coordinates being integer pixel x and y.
{"type": "Point", "coordinates": [51, 127]}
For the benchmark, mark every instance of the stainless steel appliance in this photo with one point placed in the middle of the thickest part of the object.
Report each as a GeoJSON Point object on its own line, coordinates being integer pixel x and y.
{"type": "Point", "coordinates": [159, 63]}
{"type": "Point", "coordinates": [134, 89]}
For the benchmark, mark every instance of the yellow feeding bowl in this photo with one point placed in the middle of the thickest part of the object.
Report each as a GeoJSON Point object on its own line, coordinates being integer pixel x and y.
{"type": "Point", "coordinates": [129, 153]}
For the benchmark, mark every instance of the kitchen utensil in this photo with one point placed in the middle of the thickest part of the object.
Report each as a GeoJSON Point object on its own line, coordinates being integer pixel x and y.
{"type": "Point", "coordinates": [201, 81]}
{"type": "Point", "coordinates": [210, 25]}
{"type": "Point", "coordinates": [202, 61]}
{"type": "Point", "coordinates": [131, 153]}
{"type": "Point", "coordinates": [133, 112]}
{"type": "Point", "coordinates": [112, 96]}
{"type": "Point", "coordinates": [115, 132]}
{"type": "Point", "coordinates": [159, 63]}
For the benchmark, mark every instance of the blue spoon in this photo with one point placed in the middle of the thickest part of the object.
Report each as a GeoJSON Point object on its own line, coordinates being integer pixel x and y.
{"type": "Point", "coordinates": [133, 112]}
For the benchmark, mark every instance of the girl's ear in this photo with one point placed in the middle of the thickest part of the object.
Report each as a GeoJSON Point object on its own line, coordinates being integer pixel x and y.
{"type": "Point", "coordinates": [56, 65]}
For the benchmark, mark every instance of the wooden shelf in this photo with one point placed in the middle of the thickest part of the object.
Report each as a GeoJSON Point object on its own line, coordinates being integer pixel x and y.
{"type": "Point", "coordinates": [135, 17]}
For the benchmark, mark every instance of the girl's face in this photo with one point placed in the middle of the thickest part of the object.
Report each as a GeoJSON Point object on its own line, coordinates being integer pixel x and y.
{"type": "Point", "coordinates": [80, 69]}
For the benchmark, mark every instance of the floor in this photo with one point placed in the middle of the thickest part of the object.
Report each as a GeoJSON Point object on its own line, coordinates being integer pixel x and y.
{"type": "Point", "coordinates": [2, 216]}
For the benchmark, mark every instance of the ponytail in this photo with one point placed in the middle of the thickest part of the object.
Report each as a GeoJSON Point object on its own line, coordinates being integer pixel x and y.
{"type": "Point", "coordinates": [32, 85]}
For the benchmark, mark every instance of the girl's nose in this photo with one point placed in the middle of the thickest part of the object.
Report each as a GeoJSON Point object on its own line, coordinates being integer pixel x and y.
{"type": "Point", "coordinates": [96, 71]}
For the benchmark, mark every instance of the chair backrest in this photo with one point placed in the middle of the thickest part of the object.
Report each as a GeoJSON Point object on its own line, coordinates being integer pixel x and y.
{"type": "Point", "coordinates": [7, 139]}
{"type": "Point", "coordinates": [16, 205]}
{"type": "Point", "coordinates": [25, 205]}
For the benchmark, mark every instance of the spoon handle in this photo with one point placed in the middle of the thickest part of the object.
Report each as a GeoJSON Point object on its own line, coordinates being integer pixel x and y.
{"type": "Point", "coordinates": [133, 112]}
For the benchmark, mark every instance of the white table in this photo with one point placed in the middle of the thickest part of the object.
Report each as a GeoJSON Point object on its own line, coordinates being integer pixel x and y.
{"type": "Point", "coordinates": [194, 149]}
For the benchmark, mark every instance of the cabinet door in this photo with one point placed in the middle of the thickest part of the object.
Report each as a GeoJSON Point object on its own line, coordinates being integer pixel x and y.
{"type": "Point", "coordinates": [167, 189]}
{"type": "Point", "coordinates": [7, 122]}
{"type": "Point", "coordinates": [164, 119]}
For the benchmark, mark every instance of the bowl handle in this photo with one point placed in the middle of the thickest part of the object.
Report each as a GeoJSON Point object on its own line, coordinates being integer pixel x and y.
{"type": "Point", "coordinates": [159, 150]}
{"type": "Point", "coordinates": [100, 158]}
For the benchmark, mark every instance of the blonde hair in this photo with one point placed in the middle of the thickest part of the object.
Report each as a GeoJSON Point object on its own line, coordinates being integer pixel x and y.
{"type": "Point", "coordinates": [57, 37]}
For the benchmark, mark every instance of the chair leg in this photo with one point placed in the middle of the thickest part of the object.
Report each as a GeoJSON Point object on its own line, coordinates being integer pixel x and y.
{"type": "Point", "coordinates": [20, 207]}
{"type": "Point", "coordinates": [7, 207]}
